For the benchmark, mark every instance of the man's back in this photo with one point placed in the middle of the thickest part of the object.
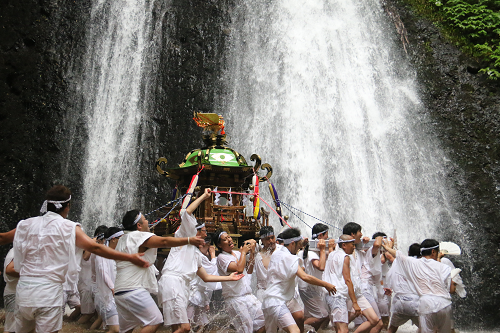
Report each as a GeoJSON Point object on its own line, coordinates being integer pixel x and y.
{"type": "Point", "coordinates": [43, 247]}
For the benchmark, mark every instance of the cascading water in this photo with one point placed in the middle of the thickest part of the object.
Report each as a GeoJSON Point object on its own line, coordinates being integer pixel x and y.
{"type": "Point", "coordinates": [321, 91]}
{"type": "Point", "coordinates": [120, 52]}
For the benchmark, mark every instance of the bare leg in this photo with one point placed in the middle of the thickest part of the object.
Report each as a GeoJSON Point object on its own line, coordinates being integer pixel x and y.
{"type": "Point", "coordinates": [315, 322]}
{"type": "Point", "coordinates": [74, 315]}
{"type": "Point", "coordinates": [292, 329]}
{"type": "Point", "coordinates": [341, 327]}
{"type": "Point", "coordinates": [299, 320]}
{"type": "Point", "coordinates": [97, 323]}
{"type": "Point", "coordinates": [392, 329]}
{"type": "Point", "coordinates": [85, 318]}
{"type": "Point", "coordinates": [372, 321]}
{"type": "Point", "coordinates": [378, 327]}
{"type": "Point", "coordinates": [113, 328]}
{"type": "Point", "coordinates": [150, 328]}
{"type": "Point", "coordinates": [180, 328]}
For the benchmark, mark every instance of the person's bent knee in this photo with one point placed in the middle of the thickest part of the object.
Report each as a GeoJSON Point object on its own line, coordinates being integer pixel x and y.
{"type": "Point", "coordinates": [292, 329]}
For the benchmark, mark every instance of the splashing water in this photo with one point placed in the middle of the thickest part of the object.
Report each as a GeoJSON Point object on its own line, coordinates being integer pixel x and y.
{"type": "Point", "coordinates": [321, 91]}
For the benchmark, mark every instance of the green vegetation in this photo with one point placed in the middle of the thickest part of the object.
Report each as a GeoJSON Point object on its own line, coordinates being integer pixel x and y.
{"type": "Point", "coordinates": [473, 25]}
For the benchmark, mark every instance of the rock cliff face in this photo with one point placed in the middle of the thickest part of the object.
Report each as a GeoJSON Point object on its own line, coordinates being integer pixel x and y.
{"type": "Point", "coordinates": [41, 48]}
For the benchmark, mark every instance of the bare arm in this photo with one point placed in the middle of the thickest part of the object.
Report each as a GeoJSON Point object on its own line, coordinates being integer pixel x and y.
{"type": "Point", "coordinates": [9, 270]}
{"type": "Point", "coordinates": [388, 247]}
{"type": "Point", "coordinates": [192, 207]}
{"type": "Point", "coordinates": [321, 263]}
{"type": "Point", "coordinates": [376, 246]}
{"type": "Point", "coordinates": [162, 242]}
{"type": "Point", "coordinates": [239, 266]}
{"type": "Point", "coordinates": [346, 273]}
{"type": "Point", "coordinates": [7, 237]}
{"type": "Point", "coordinates": [251, 259]}
{"type": "Point", "coordinates": [85, 242]}
{"type": "Point", "coordinates": [315, 281]}
{"type": "Point", "coordinates": [202, 273]}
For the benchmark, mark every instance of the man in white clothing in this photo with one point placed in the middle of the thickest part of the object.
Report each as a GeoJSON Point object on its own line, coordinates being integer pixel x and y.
{"type": "Point", "coordinates": [432, 282]}
{"type": "Point", "coordinates": [368, 268]}
{"type": "Point", "coordinates": [44, 252]}
{"type": "Point", "coordinates": [182, 266]}
{"type": "Point", "coordinates": [105, 273]}
{"type": "Point", "coordinates": [241, 304]}
{"type": "Point", "coordinates": [406, 300]}
{"type": "Point", "coordinates": [339, 270]}
{"type": "Point", "coordinates": [134, 285]}
{"type": "Point", "coordinates": [263, 257]}
{"type": "Point", "coordinates": [279, 303]}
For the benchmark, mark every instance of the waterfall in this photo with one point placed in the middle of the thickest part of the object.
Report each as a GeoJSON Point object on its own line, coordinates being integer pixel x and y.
{"type": "Point", "coordinates": [122, 46]}
{"type": "Point", "coordinates": [321, 90]}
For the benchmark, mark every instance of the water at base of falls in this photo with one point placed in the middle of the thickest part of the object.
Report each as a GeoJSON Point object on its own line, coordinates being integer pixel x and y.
{"type": "Point", "coordinates": [320, 90]}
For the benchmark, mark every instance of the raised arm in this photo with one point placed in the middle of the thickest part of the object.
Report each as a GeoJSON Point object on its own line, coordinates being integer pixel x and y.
{"type": "Point", "coordinates": [7, 237]}
{"type": "Point", "coordinates": [346, 273]}
{"type": "Point", "coordinates": [202, 273]}
{"type": "Point", "coordinates": [192, 207]}
{"type": "Point", "coordinates": [320, 264]}
{"type": "Point", "coordinates": [85, 242]}
{"type": "Point", "coordinates": [239, 266]}
{"type": "Point", "coordinates": [387, 244]}
{"type": "Point", "coordinates": [376, 245]}
{"type": "Point", "coordinates": [315, 281]}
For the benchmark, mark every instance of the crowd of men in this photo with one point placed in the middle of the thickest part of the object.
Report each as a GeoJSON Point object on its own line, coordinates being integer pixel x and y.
{"type": "Point", "coordinates": [112, 277]}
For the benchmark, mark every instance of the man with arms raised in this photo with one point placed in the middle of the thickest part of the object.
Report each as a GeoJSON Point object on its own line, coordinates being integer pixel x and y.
{"type": "Point", "coordinates": [338, 271]}
{"type": "Point", "coordinates": [279, 303]}
{"type": "Point", "coordinates": [44, 252]}
{"type": "Point", "coordinates": [182, 266]}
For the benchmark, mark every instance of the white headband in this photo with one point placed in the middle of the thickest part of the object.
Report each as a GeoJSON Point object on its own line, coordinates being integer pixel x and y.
{"type": "Point", "coordinates": [291, 240]}
{"type": "Point", "coordinates": [222, 233]}
{"type": "Point", "coordinates": [319, 233]}
{"type": "Point", "coordinates": [200, 226]}
{"type": "Point", "coordinates": [137, 218]}
{"type": "Point", "coordinates": [345, 241]}
{"type": "Point", "coordinates": [99, 237]}
{"type": "Point", "coordinates": [267, 235]}
{"type": "Point", "coordinates": [58, 204]}
{"type": "Point", "coordinates": [428, 248]}
{"type": "Point", "coordinates": [116, 234]}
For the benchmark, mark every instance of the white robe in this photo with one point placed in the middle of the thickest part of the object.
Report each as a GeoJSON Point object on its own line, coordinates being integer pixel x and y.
{"type": "Point", "coordinates": [44, 253]}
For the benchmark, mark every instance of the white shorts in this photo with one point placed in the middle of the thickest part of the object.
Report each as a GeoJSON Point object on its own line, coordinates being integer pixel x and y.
{"type": "Point", "coordinates": [71, 298]}
{"type": "Point", "coordinates": [46, 319]}
{"type": "Point", "coordinates": [314, 304]}
{"type": "Point", "coordinates": [438, 321]}
{"type": "Point", "coordinates": [337, 307]}
{"type": "Point", "coordinates": [174, 299]}
{"type": "Point", "coordinates": [108, 313]}
{"type": "Point", "coordinates": [87, 302]}
{"type": "Point", "coordinates": [246, 312]}
{"type": "Point", "coordinates": [136, 308]}
{"type": "Point", "coordinates": [368, 294]}
{"type": "Point", "coordinates": [9, 302]}
{"type": "Point", "coordinates": [278, 317]}
{"type": "Point", "coordinates": [404, 308]}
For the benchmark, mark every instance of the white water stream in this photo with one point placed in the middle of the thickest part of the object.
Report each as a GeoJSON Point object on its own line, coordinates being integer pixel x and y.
{"type": "Point", "coordinates": [120, 47]}
{"type": "Point", "coordinates": [320, 90]}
